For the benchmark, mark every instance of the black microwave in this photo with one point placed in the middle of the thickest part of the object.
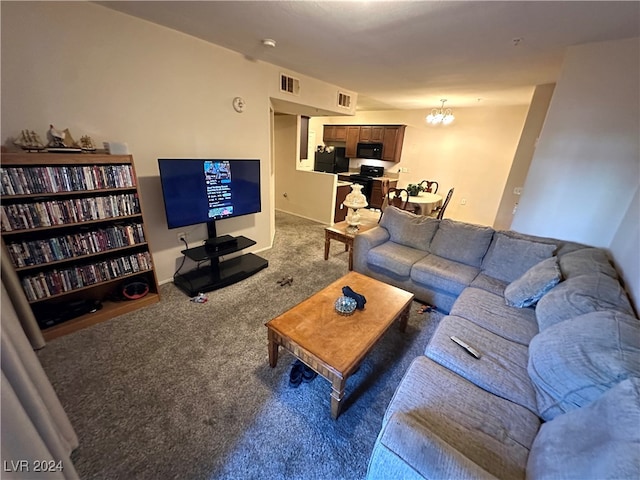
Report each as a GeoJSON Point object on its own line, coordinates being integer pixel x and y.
{"type": "Point", "coordinates": [369, 150]}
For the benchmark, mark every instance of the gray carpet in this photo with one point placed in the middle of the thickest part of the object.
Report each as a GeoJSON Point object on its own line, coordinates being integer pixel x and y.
{"type": "Point", "coordinates": [184, 390]}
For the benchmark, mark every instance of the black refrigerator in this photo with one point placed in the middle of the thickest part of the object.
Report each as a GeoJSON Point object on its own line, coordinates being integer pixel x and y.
{"type": "Point", "coordinates": [332, 162]}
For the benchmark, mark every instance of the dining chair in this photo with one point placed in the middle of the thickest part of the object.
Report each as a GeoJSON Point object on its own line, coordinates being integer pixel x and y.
{"type": "Point", "coordinates": [430, 186]}
{"type": "Point", "coordinates": [398, 197]}
{"type": "Point", "coordinates": [438, 212]}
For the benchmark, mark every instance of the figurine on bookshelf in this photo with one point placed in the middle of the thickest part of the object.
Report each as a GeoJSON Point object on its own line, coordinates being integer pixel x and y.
{"type": "Point", "coordinates": [86, 143]}
{"type": "Point", "coordinates": [61, 141]}
{"type": "Point", "coordinates": [29, 141]}
{"type": "Point", "coordinates": [56, 138]}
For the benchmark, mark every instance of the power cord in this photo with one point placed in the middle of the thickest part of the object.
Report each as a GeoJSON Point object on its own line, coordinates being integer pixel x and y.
{"type": "Point", "coordinates": [184, 257]}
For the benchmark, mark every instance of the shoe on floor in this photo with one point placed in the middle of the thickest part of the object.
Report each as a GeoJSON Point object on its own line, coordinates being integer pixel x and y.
{"type": "Point", "coordinates": [295, 377]}
{"type": "Point", "coordinates": [308, 374]}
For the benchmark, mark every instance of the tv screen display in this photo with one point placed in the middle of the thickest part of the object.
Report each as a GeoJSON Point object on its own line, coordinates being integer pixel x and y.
{"type": "Point", "coordinates": [203, 190]}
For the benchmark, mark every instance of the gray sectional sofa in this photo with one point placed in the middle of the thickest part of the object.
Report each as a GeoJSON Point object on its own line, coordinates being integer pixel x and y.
{"type": "Point", "coordinates": [556, 390]}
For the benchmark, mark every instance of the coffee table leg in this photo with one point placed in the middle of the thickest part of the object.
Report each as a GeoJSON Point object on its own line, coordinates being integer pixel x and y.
{"type": "Point", "coordinates": [404, 318]}
{"type": "Point", "coordinates": [337, 393]}
{"type": "Point", "coordinates": [273, 350]}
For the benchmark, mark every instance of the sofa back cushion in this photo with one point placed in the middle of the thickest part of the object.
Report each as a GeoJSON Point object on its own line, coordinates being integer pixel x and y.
{"type": "Point", "coordinates": [585, 261]}
{"type": "Point", "coordinates": [601, 440]}
{"type": "Point", "coordinates": [509, 258]}
{"type": "Point", "coordinates": [578, 295]}
{"type": "Point", "coordinates": [574, 362]}
{"type": "Point", "coordinates": [408, 229]}
{"type": "Point", "coordinates": [462, 242]}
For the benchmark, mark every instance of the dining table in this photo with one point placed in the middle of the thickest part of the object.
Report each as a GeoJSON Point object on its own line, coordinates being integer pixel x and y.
{"type": "Point", "coordinates": [424, 203]}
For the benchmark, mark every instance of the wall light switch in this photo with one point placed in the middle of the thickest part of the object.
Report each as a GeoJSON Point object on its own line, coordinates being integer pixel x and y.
{"type": "Point", "coordinates": [463, 201]}
{"type": "Point", "coordinates": [405, 170]}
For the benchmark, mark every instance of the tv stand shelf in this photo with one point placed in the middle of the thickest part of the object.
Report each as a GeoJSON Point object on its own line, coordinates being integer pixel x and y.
{"type": "Point", "coordinates": [219, 274]}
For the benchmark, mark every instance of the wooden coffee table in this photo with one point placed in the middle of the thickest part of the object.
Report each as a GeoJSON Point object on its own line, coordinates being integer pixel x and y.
{"type": "Point", "coordinates": [341, 232]}
{"type": "Point", "coordinates": [332, 344]}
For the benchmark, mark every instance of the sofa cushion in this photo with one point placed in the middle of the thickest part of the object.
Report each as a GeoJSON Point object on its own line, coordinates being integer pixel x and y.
{"type": "Point", "coordinates": [394, 258]}
{"type": "Point", "coordinates": [509, 258]}
{"type": "Point", "coordinates": [501, 368]}
{"type": "Point", "coordinates": [492, 432]}
{"type": "Point", "coordinates": [578, 295]}
{"type": "Point", "coordinates": [461, 242]}
{"type": "Point", "coordinates": [490, 284]}
{"type": "Point", "coordinates": [600, 440]}
{"type": "Point", "coordinates": [586, 261]}
{"type": "Point", "coordinates": [443, 274]}
{"type": "Point", "coordinates": [406, 228]}
{"type": "Point", "coordinates": [407, 448]}
{"type": "Point", "coordinates": [574, 362]}
{"type": "Point", "coordinates": [530, 287]}
{"type": "Point", "coordinates": [489, 311]}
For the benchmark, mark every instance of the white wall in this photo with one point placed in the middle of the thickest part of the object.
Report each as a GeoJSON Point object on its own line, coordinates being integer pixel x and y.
{"type": "Point", "coordinates": [524, 154]}
{"type": "Point", "coordinates": [114, 77]}
{"type": "Point", "coordinates": [625, 246]}
{"type": "Point", "coordinates": [585, 172]}
{"type": "Point", "coordinates": [307, 194]}
{"type": "Point", "coordinates": [474, 154]}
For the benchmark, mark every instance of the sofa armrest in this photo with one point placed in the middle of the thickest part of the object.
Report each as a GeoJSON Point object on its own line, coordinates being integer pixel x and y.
{"type": "Point", "coordinates": [371, 238]}
{"type": "Point", "coordinates": [365, 241]}
{"type": "Point", "coordinates": [406, 445]}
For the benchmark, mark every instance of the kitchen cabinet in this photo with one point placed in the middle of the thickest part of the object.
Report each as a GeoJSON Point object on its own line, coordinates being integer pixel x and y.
{"type": "Point", "coordinates": [304, 137]}
{"type": "Point", "coordinates": [391, 137]}
{"type": "Point", "coordinates": [379, 190]}
{"type": "Point", "coordinates": [353, 135]}
{"type": "Point", "coordinates": [341, 193]}
{"type": "Point", "coordinates": [334, 133]}
{"type": "Point", "coordinates": [372, 133]}
{"type": "Point", "coordinates": [392, 143]}
{"type": "Point", "coordinates": [73, 227]}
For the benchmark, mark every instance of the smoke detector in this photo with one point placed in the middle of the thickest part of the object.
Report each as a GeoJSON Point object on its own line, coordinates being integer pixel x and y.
{"type": "Point", "coordinates": [269, 42]}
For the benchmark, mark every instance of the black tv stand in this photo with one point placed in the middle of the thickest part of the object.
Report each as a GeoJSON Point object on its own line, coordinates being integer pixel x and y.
{"type": "Point", "coordinates": [217, 244]}
{"type": "Point", "coordinates": [219, 274]}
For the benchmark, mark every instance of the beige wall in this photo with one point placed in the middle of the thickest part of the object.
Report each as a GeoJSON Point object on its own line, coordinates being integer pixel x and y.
{"type": "Point", "coordinates": [105, 74]}
{"type": "Point", "coordinates": [474, 154]}
{"type": "Point", "coordinates": [585, 174]}
{"type": "Point", "coordinates": [303, 193]}
{"type": "Point", "coordinates": [524, 153]}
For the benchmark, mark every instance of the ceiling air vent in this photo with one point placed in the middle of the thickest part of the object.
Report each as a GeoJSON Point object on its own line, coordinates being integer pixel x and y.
{"type": "Point", "coordinates": [289, 84]}
{"type": "Point", "coordinates": [344, 100]}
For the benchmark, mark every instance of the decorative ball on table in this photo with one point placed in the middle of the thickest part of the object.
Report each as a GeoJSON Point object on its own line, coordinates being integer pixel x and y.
{"type": "Point", "coordinates": [345, 305]}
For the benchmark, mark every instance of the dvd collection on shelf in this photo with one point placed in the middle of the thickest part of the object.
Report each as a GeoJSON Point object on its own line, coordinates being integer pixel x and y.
{"type": "Point", "coordinates": [48, 284]}
{"type": "Point", "coordinates": [33, 180]}
{"type": "Point", "coordinates": [28, 253]}
{"type": "Point", "coordinates": [60, 212]}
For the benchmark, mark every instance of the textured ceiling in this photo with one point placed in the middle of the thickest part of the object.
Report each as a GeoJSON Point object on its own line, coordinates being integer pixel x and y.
{"type": "Point", "coordinates": [405, 54]}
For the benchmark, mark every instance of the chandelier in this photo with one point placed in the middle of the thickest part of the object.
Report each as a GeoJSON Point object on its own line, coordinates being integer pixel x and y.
{"type": "Point", "coordinates": [440, 115]}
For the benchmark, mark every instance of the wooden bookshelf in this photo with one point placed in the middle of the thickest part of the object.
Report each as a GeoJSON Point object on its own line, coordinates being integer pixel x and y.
{"type": "Point", "coordinates": [74, 229]}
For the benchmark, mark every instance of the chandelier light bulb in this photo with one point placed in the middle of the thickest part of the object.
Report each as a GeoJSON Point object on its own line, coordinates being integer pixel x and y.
{"type": "Point", "coordinates": [440, 115]}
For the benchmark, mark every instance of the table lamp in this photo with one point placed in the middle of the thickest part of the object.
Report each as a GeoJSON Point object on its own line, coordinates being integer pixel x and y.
{"type": "Point", "coordinates": [353, 202]}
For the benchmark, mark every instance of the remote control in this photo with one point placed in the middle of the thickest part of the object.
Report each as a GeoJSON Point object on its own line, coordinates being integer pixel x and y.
{"type": "Point", "coordinates": [470, 350]}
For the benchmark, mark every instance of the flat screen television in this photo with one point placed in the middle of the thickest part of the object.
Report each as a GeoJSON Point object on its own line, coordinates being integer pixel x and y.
{"type": "Point", "coordinates": [205, 190]}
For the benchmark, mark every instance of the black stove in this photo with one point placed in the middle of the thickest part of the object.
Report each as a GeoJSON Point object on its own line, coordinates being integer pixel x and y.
{"type": "Point", "coordinates": [365, 178]}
